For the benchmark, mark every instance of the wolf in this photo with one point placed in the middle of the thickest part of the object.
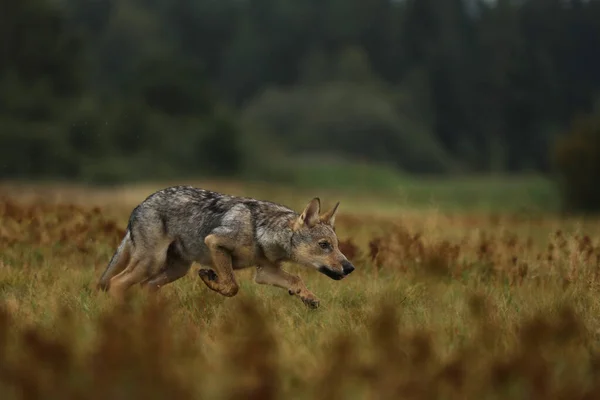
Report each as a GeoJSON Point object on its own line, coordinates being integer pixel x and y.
{"type": "Point", "coordinates": [179, 225]}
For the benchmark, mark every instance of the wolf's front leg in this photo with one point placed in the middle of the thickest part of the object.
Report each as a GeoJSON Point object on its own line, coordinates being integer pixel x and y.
{"type": "Point", "coordinates": [222, 280]}
{"type": "Point", "coordinates": [275, 276]}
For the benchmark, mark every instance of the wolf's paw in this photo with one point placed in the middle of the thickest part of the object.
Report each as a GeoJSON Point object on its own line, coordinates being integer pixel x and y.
{"type": "Point", "coordinates": [310, 302]}
{"type": "Point", "coordinates": [229, 291]}
{"type": "Point", "coordinates": [212, 281]}
{"type": "Point", "coordinates": [208, 275]}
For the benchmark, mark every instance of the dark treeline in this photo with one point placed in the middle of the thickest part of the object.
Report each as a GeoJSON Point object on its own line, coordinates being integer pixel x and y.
{"type": "Point", "coordinates": [126, 89]}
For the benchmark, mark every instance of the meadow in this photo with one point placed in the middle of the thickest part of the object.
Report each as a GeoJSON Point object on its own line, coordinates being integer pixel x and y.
{"type": "Point", "coordinates": [462, 291]}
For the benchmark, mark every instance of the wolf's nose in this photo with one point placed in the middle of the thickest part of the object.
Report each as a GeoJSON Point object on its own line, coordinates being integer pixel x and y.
{"type": "Point", "coordinates": [347, 267]}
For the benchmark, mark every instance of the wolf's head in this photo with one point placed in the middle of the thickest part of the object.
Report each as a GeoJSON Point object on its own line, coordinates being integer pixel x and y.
{"type": "Point", "coordinates": [315, 244]}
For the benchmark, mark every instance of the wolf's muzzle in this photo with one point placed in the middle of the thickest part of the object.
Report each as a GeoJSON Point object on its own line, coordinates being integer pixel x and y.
{"type": "Point", "coordinates": [335, 275]}
{"type": "Point", "coordinates": [347, 269]}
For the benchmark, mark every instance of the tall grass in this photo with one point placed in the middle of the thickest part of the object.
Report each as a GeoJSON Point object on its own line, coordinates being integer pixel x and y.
{"type": "Point", "coordinates": [442, 305]}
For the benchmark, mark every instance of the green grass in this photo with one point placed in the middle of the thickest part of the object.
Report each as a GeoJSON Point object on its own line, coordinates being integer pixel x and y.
{"type": "Point", "coordinates": [404, 325]}
{"type": "Point", "coordinates": [521, 193]}
{"type": "Point", "coordinates": [467, 193]}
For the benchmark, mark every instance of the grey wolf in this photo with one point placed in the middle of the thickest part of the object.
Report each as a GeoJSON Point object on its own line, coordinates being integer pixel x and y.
{"type": "Point", "coordinates": [177, 226]}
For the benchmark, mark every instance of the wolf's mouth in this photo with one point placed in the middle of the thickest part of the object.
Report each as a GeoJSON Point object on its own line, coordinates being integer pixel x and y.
{"type": "Point", "coordinates": [331, 273]}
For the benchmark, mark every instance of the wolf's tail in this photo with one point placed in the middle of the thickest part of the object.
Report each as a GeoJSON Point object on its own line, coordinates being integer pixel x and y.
{"type": "Point", "coordinates": [117, 263]}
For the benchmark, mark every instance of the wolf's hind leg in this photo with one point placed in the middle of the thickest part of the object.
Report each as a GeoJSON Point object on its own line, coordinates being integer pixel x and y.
{"type": "Point", "coordinates": [175, 267]}
{"type": "Point", "coordinates": [142, 265]}
{"type": "Point", "coordinates": [222, 279]}
{"type": "Point", "coordinates": [275, 276]}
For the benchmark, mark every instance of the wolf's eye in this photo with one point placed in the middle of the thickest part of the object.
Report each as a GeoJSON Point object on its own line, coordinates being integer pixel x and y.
{"type": "Point", "coordinates": [324, 245]}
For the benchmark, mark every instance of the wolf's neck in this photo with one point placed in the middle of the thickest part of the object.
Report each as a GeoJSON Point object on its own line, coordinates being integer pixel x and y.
{"type": "Point", "coordinates": [274, 236]}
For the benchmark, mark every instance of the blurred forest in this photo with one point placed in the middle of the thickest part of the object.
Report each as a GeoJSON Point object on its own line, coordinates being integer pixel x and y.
{"type": "Point", "coordinates": [112, 90]}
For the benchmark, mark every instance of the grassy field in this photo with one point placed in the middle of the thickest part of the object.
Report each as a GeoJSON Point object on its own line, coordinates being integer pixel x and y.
{"type": "Point", "coordinates": [468, 297]}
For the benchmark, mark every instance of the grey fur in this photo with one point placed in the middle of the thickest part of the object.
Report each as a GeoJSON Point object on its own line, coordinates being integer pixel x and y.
{"type": "Point", "coordinates": [173, 228]}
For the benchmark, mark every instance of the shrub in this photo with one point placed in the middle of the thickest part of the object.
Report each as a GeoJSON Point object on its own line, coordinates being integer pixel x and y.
{"type": "Point", "coordinates": [577, 158]}
{"type": "Point", "coordinates": [347, 119]}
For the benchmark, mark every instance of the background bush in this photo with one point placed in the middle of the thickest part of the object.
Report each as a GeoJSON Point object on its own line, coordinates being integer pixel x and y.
{"type": "Point", "coordinates": [578, 162]}
{"type": "Point", "coordinates": [136, 89]}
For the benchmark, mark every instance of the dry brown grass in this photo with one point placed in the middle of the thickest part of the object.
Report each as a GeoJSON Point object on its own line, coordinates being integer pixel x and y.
{"type": "Point", "coordinates": [441, 306]}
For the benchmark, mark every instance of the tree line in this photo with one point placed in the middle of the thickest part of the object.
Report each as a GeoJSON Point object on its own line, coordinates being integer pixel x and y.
{"type": "Point", "coordinates": [129, 89]}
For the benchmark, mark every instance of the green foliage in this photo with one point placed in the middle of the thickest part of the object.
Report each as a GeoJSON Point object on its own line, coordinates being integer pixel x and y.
{"type": "Point", "coordinates": [135, 89]}
{"type": "Point", "coordinates": [347, 119]}
{"type": "Point", "coordinates": [350, 114]}
{"type": "Point", "coordinates": [34, 49]}
{"type": "Point", "coordinates": [38, 76]}
{"type": "Point", "coordinates": [577, 157]}
{"type": "Point", "coordinates": [156, 117]}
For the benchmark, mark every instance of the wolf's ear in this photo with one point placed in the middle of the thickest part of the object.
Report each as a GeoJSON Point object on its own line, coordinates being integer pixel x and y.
{"type": "Point", "coordinates": [329, 216]}
{"type": "Point", "coordinates": [310, 215]}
